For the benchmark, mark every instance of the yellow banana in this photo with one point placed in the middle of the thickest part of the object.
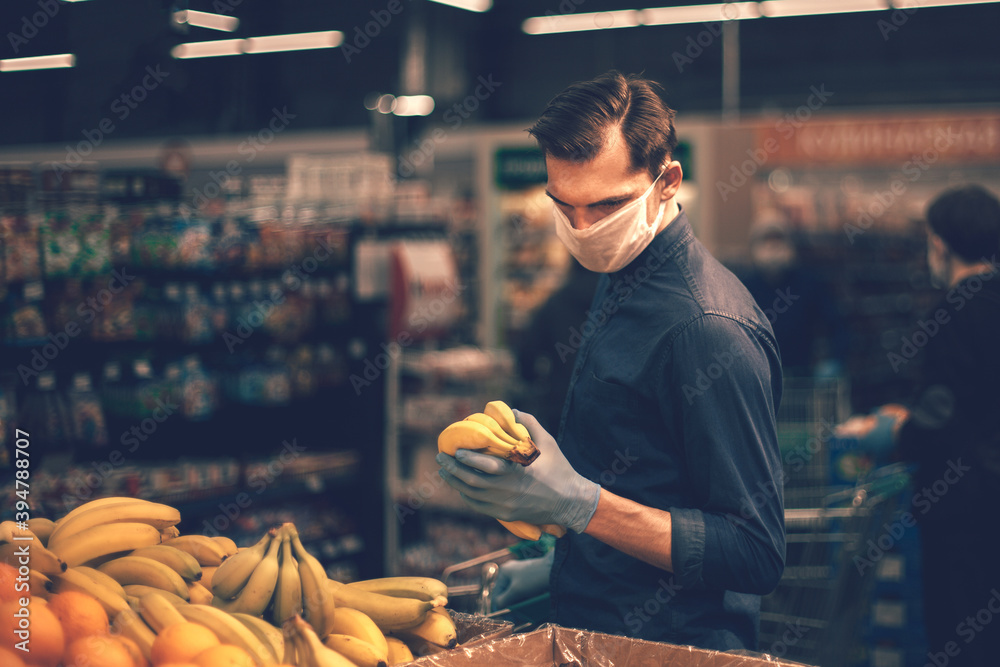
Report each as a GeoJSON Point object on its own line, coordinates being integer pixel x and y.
{"type": "Point", "coordinates": [228, 629]}
{"type": "Point", "coordinates": [137, 591]}
{"type": "Point", "coordinates": [438, 628]}
{"type": "Point", "coordinates": [31, 552]}
{"type": "Point", "coordinates": [92, 504]}
{"type": "Point", "coordinates": [354, 623]}
{"type": "Point", "coordinates": [420, 588]}
{"type": "Point", "coordinates": [205, 550]}
{"type": "Point", "coordinates": [158, 612]}
{"type": "Point", "coordinates": [389, 613]}
{"type": "Point", "coordinates": [156, 515]}
{"type": "Point", "coordinates": [206, 576]}
{"type": "Point", "coordinates": [358, 651]}
{"type": "Point", "coordinates": [269, 635]}
{"type": "Point", "coordinates": [145, 571]}
{"type": "Point", "coordinates": [39, 584]}
{"type": "Point", "coordinates": [228, 546]}
{"type": "Point", "coordinates": [104, 540]}
{"type": "Point", "coordinates": [169, 533]}
{"type": "Point", "coordinates": [529, 531]}
{"type": "Point", "coordinates": [198, 594]}
{"type": "Point", "coordinates": [473, 435]}
{"type": "Point", "coordinates": [179, 561]}
{"type": "Point", "coordinates": [493, 426]}
{"type": "Point", "coordinates": [102, 579]}
{"type": "Point", "coordinates": [256, 595]}
{"type": "Point", "coordinates": [288, 592]}
{"type": "Point", "coordinates": [399, 652]}
{"type": "Point", "coordinates": [317, 600]}
{"type": "Point", "coordinates": [74, 580]}
{"type": "Point", "coordinates": [504, 416]}
{"type": "Point", "coordinates": [42, 528]}
{"type": "Point", "coordinates": [309, 649]}
{"type": "Point", "coordinates": [129, 624]}
{"type": "Point", "coordinates": [235, 571]}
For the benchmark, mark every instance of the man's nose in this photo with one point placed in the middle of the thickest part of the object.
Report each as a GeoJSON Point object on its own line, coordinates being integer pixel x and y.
{"type": "Point", "coordinates": [582, 220]}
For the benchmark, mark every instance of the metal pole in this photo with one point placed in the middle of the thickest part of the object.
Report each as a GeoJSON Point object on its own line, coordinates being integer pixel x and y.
{"type": "Point", "coordinates": [731, 71]}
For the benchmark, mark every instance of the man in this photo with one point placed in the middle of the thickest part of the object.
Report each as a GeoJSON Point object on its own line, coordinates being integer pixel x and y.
{"type": "Point", "coordinates": [951, 431]}
{"type": "Point", "coordinates": [667, 471]}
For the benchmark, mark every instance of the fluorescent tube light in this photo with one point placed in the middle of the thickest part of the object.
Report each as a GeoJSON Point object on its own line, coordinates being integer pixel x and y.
{"type": "Point", "coordinates": [469, 5]}
{"type": "Point", "coordinates": [781, 8]}
{"type": "Point", "coordinates": [207, 20]}
{"type": "Point", "coordinates": [414, 105]}
{"type": "Point", "coordinates": [919, 4]}
{"type": "Point", "coordinates": [544, 25]}
{"type": "Point", "coordinates": [210, 49]}
{"type": "Point", "coordinates": [327, 39]}
{"type": "Point", "coordinates": [699, 13]}
{"type": "Point", "coordinates": [38, 62]}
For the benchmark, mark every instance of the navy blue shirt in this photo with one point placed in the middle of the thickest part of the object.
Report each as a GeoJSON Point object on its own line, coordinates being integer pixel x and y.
{"type": "Point", "coordinates": [671, 404]}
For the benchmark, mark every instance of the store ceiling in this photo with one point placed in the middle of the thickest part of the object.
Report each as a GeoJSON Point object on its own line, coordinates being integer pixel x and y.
{"type": "Point", "coordinates": [938, 56]}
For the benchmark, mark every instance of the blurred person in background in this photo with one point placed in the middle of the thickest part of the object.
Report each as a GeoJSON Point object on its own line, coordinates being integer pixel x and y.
{"type": "Point", "coordinates": [668, 426]}
{"type": "Point", "coordinates": [950, 429]}
{"type": "Point", "coordinates": [801, 307]}
{"type": "Point", "coordinates": [545, 352]}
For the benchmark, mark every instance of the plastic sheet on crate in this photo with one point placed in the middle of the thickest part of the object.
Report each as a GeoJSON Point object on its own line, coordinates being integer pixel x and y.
{"type": "Point", "coordinates": [554, 646]}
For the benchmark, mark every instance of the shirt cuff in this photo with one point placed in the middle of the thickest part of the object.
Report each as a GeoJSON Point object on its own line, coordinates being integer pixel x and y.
{"type": "Point", "coordinates": [687, 544]}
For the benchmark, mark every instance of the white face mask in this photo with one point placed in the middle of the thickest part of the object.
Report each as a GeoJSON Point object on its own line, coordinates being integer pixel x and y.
{"type": "Point", "coordinates": [612, 242]}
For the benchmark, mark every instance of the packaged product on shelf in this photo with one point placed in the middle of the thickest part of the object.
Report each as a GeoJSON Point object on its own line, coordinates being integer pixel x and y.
{"type": "Point", "coordinates": [194, 245]}
{"type": "Point", "coordinates": [27, 321]}
{"type": "Point", "coordinates": [22, 248]}
{"type": "Point", "coordinates": [197, 316]}
{"type": "Point", "coordinates": [219, 309]}
{"type": "Point", "coordinates": [89, 425]}
{"type": "Point", "coordinates": [60, 242]}
{"type": "Point", "coordinates": [45, 414]}
{"type": "Point", "coordinates": [199, 393]}
{"type": "Point", "coordinates": [95, 243]}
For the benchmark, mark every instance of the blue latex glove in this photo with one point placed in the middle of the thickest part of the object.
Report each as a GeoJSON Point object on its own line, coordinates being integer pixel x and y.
{"type": "Point", "coordinates": [519, 580]}
{"type": "Point", "coordinates": [547, 491]}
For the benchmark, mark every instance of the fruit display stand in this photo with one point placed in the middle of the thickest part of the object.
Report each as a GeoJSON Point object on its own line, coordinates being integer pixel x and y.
{"type": "Point", "coordinates": [556, 646]}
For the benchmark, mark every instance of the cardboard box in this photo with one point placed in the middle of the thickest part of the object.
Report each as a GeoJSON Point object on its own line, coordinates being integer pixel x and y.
{"type": "Point", "coordinates": [554, 646]}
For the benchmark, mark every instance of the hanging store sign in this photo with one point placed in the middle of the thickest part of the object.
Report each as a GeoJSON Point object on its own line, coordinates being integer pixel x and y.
{"type": "Point", "coordinates": [520, 167]}
{"type": "Point", "coordinates": [883, 140]}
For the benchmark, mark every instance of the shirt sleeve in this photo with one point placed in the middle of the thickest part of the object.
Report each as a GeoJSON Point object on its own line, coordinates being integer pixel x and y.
{"type": "Point", "coordinates": [722, 388]}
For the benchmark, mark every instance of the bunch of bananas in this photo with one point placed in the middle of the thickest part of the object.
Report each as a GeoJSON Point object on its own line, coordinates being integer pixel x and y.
{"type": "Point", "coordinates": [16, 541]}
{"type": "Point", "coordinates": [495, 431]}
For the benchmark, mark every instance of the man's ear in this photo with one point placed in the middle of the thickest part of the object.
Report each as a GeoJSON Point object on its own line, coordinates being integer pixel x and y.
{"type": "Point", "coordinates": [672, 177]}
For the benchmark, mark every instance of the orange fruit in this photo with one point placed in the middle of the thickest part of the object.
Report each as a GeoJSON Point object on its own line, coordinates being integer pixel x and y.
{"type": "Point", "coordinates": [224, 655]}
{"type": "Point", "coordinates": [9, 658]}
{"type": "Point", "coordinates": [47, 641]}
{"type": "Point", "coordinates": [8, 583]}
{"type": "Point", "coordinates": [97, 651]}
{"type": "Point", "coordinates": [79, 614]}
{"type": "Point", "coordinates": [181, 642]}
{"type": "Point", "coordinates": [133, 650]}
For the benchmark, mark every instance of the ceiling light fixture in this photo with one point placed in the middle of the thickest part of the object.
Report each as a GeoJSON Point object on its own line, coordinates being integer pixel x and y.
{"type": "Point", "coordinates": [209, 49]}
{"type": "Point", "coordinates": [920, 4]}
{"type": "Point", "coordinates": [57, 61]}
{"type": "Point", "coordinates": [554, 23]}
{"type": "Point", "coordinates": [726, 11]}
{"type": "Point", "coordinates": [207, 20]}
{"type": "Point", "coordinates": [783, 8]}
{"type": "Point", "coordinates": [414, 105]}
{"type": "Point", "coordinates": [301, 41]}
{"type": "Point", "coordinates": [468, 5]}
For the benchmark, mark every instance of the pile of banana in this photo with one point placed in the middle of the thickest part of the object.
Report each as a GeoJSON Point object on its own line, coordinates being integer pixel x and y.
{"type": "Point", "coordinates": [273, 599]}
{"type": "Point", "coordinates": [495, 431]}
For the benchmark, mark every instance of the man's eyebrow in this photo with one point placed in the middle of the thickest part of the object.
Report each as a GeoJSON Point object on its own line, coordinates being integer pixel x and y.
{"type": "Point", "coordinates": [616, 199]}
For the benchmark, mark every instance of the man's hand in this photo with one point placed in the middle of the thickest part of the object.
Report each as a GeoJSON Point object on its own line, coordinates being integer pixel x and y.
{"type": "Point", "coordinates": [547, 491]}
{"type": "Point", "coordinates": [520, 580]}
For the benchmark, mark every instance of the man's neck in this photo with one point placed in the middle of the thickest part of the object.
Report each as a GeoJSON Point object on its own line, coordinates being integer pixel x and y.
{"type": "Point", "coordinates": [670, 211]}
{"type": "Point", "coordinates": [960, 271]}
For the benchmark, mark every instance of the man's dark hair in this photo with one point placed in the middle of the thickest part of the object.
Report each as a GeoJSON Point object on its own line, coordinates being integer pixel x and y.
{"type": "Point", "coordinates": [575, 124]}
{"type": "Point", "coordinates": [968, 220]}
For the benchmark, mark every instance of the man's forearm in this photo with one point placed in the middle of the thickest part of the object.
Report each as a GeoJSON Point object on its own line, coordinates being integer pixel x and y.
{"type": "Point", "coordinates": [641, 532]}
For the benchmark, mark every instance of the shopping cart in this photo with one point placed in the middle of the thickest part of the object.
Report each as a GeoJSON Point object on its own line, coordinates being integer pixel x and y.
{"type": "Point", "coordinates": [816, 612]}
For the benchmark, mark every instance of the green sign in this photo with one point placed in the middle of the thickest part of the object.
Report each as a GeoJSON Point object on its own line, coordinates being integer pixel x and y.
{"type": "Point", "coordinates": [520, 167]}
